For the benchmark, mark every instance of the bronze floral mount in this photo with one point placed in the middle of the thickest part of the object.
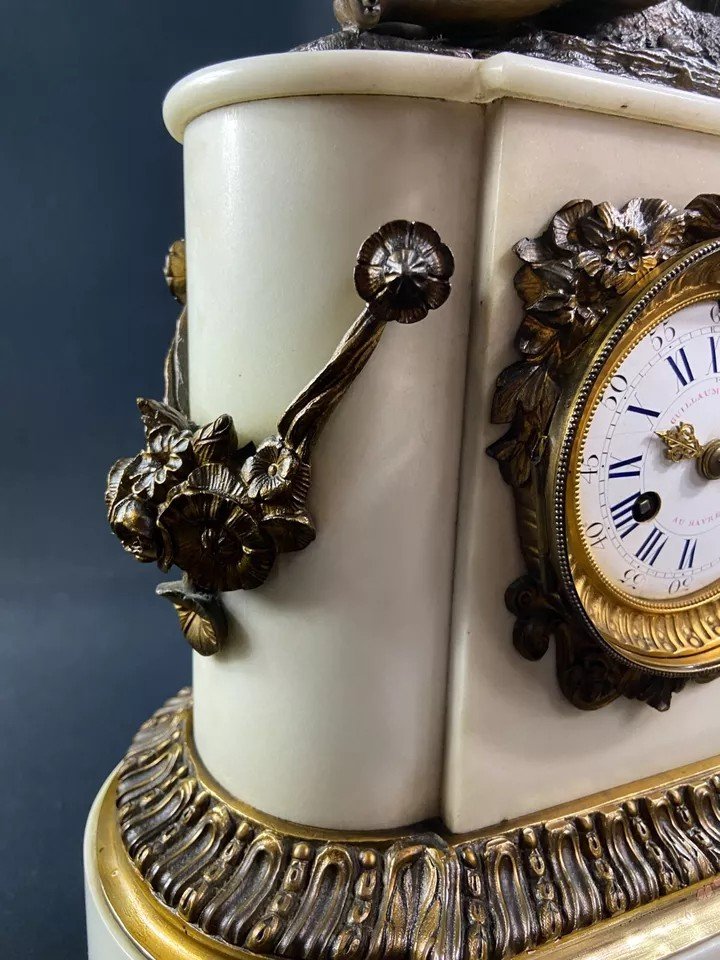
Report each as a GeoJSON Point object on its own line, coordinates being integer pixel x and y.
{"type": "Point", "coordinates": [574, 281]}
{"type": "Point", "coordinates": [192, 873]}
{"type": "Point", "coordinates": [223, 511]}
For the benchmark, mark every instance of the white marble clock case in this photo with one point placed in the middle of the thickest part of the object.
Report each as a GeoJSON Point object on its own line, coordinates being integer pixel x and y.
{"type": "Point", "coordinates": [373, 682]}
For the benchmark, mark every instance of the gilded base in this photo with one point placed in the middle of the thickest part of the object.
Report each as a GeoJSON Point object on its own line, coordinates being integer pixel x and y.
{"type": "Point", "coordinates": [192, 874]}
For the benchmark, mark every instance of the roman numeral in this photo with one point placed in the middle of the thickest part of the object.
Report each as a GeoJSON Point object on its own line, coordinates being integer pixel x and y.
{"type": "Point", "coordinates": [652, 547]}
{"type": "Point", "coordinates": [625, 468]}
{"type": "Point", "coordinates": [713, 355]}
{"type": "Point", "coordinates": [688, 555]}
{"type": "Point", "coordinates": [681, 367]}
{"type": "Point", "coordinates": [644, 411]}
{"type": "Point", "coordinates": [622, 514]}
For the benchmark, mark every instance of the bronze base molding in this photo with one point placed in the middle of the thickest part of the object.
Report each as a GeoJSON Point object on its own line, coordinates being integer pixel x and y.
{"type": "Point", "coordinates": [191, 873]}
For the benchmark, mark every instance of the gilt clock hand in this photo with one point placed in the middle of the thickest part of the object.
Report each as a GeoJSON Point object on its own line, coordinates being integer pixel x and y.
{"type": "Point", "coordinates": [682, 444]}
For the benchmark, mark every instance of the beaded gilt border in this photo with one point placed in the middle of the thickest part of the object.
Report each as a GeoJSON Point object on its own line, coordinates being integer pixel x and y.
{"type": "Point", "coordinates": [264, 887]}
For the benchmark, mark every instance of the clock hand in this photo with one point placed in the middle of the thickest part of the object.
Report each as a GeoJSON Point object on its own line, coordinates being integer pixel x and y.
{"type": "Point", "coordinates": [682, 444]}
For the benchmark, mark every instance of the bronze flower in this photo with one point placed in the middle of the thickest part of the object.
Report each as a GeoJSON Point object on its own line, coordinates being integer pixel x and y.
{"type": "Point", "coordinates": [175, 271]}
{"type": "Point", "coordinates": [622, 246]}
{"type": "Point", "coordinates": [704, 216]}
{"type": "Point", "coordinates": [560, 295]}
{"type": "Point", "coordinates": [216, 442]}
{"type": "Point", "coordinates": [269, 473]}
{"type": "Point", "coordinates": [166, 456]}
{"type": "Point", "coordinates": [119, 482]}
{"type": "Point", "coordinates": [565, 226]}
{"type": "Point", "coordinates": [572, 273]}
{"type": "Point", "coordinates": [133, 523]}
{"type": "Point", "coordinates": [403, 271]}
{"type": "Point", "coordinates": [289, 530]}
{"type": "Point", "coordinates": [132, 519]}
{"type": "Point", "coordinates": [209, 531]}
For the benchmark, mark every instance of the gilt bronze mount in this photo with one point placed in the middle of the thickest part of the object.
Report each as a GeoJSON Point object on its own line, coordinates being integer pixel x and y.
{"type": "Point", "coordinates": [222, 510]}
{"type": "Point", "coordinates": [192, 873]}
{"type": "Point", "coordinates": [586, 283]}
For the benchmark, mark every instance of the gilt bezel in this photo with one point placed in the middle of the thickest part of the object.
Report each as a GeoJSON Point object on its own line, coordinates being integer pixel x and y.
{"type": "Point", "coordinates": [660, 626]}
{"type": "Point", "coordinates": [594, 272]}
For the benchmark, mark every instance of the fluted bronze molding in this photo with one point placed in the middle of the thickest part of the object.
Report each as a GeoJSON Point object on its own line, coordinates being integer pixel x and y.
{"type": "Point", "coordinates": [223, 511]}
{"type": "Point", "coordinates": [178, 855]}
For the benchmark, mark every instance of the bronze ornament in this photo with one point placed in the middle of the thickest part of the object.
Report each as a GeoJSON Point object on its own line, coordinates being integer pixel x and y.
{"type": "Point", "coordinates": [366, 14]}
{"type": "Point", "coordinates": [597, 273]}
{"type": "Point", "coordinates": [201, 615]}
{"type": "Point", "coordinates": [191, 872]}
{"type": "Point", "coordinates": [682, 443]}
{"type": "Point", "coordinates": [194, 499]}
{"type": "Point", "coordinates": [672, 43]}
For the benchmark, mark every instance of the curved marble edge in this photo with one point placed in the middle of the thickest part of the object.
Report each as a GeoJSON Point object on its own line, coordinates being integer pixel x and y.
{"type": "Point", "coordinates": [431, 76]}
{"type": "Point", "coordinates": [107, 939]}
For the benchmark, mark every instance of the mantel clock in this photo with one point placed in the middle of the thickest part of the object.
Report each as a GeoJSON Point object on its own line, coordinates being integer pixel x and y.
{"type": "Point", "coordinates": [613, 449]}
{"type": "Point", "coordinates": [364, 768]}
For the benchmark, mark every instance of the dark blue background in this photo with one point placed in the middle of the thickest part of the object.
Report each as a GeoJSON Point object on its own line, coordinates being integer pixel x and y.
{"type": "Point", "coordinates": [90, 197]}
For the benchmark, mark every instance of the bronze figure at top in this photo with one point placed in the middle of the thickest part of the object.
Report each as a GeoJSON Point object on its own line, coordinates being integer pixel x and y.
{"type": "Point", "coordinates": [368, 13]}
{"type": "Point", "coordinates": [675, 43]}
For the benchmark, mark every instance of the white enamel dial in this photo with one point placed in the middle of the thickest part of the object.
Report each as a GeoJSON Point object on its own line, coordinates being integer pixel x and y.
{"type": "Point", "coordinates": [651, 525]}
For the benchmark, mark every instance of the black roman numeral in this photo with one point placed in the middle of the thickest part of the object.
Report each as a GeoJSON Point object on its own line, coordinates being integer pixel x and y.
{"type": "Point", "coordinates": [625, 468]}
{"type": "Point", "coordinates": [688, 555]}
{"type": "Point", "coordinates": [681, 367]}
{"type": "Point", "coordinates": [644, 411]}
{"type": "Point", "coordinates": [622, 514]}
{"type": "Point", "coordinates": [652, 547]}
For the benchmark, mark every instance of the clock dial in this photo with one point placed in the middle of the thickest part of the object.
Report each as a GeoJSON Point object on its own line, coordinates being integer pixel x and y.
{"type": "Point", "coordinates": [649, 517]}
{"type": "Point", "coordinates": [613, 448]}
